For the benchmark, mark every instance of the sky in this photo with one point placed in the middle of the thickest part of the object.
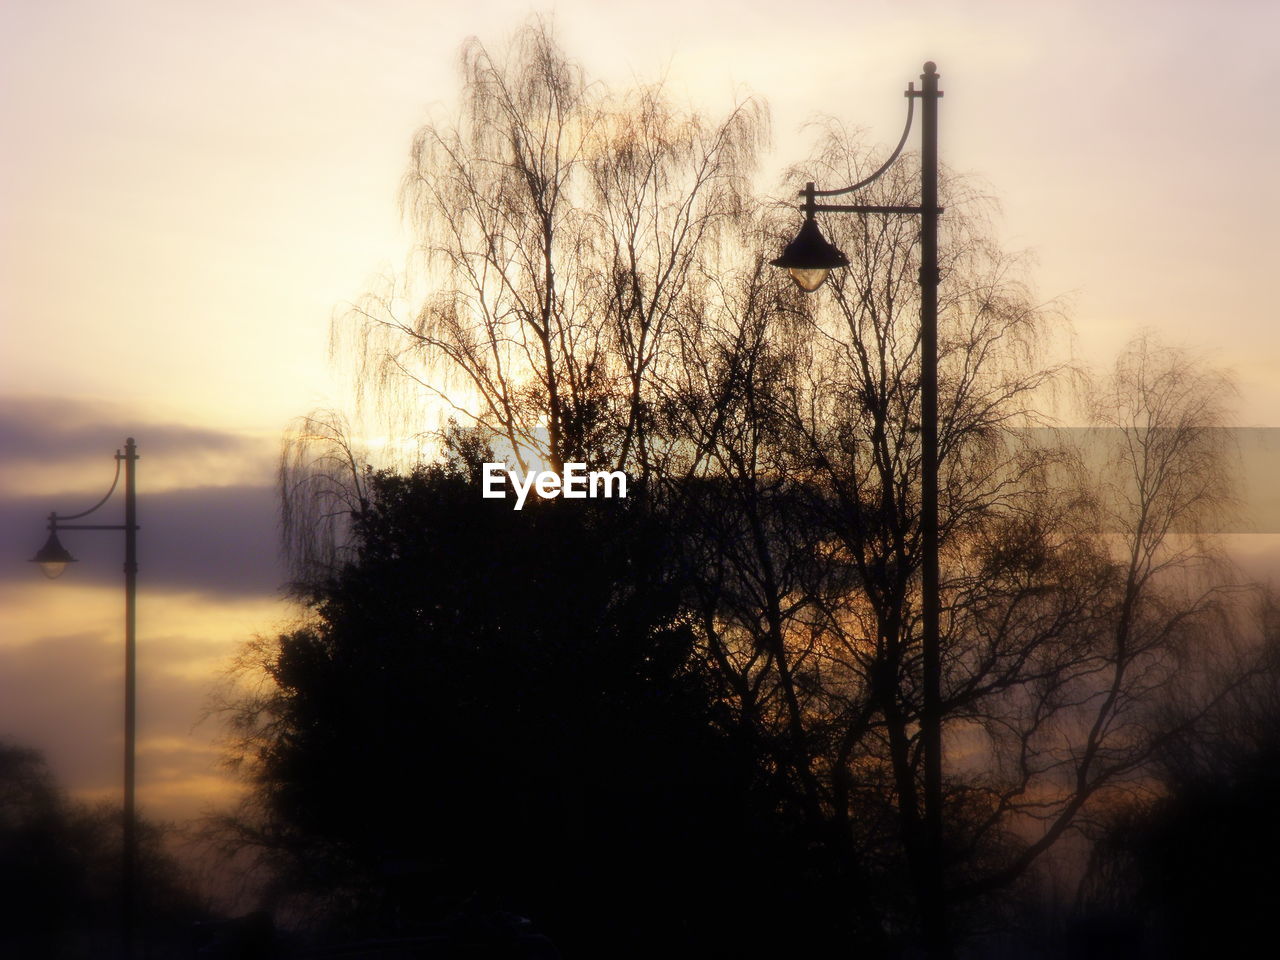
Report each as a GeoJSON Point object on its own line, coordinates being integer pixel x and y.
{"type": "Point", "coordinates": [189, 191]}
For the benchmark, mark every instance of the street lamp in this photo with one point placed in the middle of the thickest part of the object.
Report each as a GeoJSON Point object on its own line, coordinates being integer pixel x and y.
{"type": "Point", "coordinates": [809, 258]}
{"type": "Point", "coordinates": [53, 558]}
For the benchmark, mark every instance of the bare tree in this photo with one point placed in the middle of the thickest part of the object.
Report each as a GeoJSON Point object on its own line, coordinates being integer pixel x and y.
{"type": "Point", "coordinates": [322, 480]}
{"type": "Point", "coordinates": [562, 228]}
{"type": "Point", "coordinates": [1075, 607]}
{"type": "Point", "coordinates": [1156, 619]}
{"type": "Point", "coordinates": [807, 572]}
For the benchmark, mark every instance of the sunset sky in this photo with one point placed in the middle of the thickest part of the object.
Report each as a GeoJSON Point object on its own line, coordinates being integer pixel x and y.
{"type": "Point", "coordinates": [190, 191]}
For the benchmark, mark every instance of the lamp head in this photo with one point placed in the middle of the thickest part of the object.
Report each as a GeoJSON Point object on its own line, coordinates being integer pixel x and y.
{"type": "Point", "coordinates": [53, 557]}
{"type": "Point", "coordinates": [809, 257]}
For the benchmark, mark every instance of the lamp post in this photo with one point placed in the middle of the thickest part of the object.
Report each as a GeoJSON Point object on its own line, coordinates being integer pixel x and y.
{"type": "Point", "coordinates": [809, 258]}
{"type": "Point", "coordinates": [53, 558]}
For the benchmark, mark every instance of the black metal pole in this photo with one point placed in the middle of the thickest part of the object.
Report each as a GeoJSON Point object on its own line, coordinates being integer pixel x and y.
{"type": "Point", "coordinates": [926, 849]}
{"type": "Point", "coordinates": [129, 886]}
{"type": "Point", "coordinates": [936, 938]}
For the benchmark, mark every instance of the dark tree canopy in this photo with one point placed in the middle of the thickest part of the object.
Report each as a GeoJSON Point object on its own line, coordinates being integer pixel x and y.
{"type": "Point", "coordinates": [508, 707]}
{"type": "Point", "coordinates": [60, 867]}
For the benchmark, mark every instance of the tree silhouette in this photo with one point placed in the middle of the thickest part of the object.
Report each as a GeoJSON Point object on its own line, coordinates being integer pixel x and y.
{"type": "Point", "coordinates": [1190, 864]}
{"type": "Point", "coordinates": [508, 708]}
{"type": "Point", "coordinates": [1077, 608]}
{"type": "Point", "coordinates": [562, 229]}
{"type": "Point", "coordinates": [60, 865]}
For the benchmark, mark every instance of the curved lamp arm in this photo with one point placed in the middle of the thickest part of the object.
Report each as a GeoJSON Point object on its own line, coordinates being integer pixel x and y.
{"type": "Point", "coordinates": [53, 517]}
{"type": "Point", "coordinates": [809, 193]}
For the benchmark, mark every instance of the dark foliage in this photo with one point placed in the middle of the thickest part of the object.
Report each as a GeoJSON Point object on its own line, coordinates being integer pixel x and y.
{"type": "Point", "coordinates": [60, 873]}
{"type": "Point", "coordinates": [502, 707]}
{"type": "Point", "coordinates": [1195, 874]}
{"type": "Point", "coordinates": [1207, 862]}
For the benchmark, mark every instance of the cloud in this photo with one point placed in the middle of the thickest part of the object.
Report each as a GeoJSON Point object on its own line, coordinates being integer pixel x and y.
{"type": "Point", "coordinates": [62, 445]}
{"type": "Point", "coordinates": [208, 540]}
{"type": "Point", "coordinates": [206, 497]}
{"type": "Point", "coordinates": [45, 429]}
{"type": "Point", "coordinates": [63, 694]}
{"type": "Point", "coordinates": [209, 578]}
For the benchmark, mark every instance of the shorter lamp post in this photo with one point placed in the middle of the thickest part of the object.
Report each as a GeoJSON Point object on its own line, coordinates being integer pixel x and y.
{"type": "Point", "coordinates": [53, 558]}
{"type": "Point", "coordinates": [809, 258]}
